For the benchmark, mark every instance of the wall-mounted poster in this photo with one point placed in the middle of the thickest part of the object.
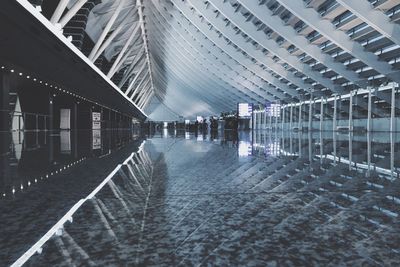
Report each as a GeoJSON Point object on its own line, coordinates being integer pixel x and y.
{"type": "Point", "coordinates": [96, 120]}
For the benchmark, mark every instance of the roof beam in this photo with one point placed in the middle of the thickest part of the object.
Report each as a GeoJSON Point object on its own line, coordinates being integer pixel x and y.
{"type": "Point", "coordinates": [194, 55]}
{"type": "Point", "coordinates": [202, 87]}
{"type": "Point", "coordinates": [146, 50]}
{"type": "Point", "coordinates": [338, 37]}
{"type": "Point", "coordinates": [106, 29]}
{"type": "Point", "coordinates": [230, 34]}
{"type": "Point", "coordinates": [251, 30]}
{"type": "Point", "coordinates": [275, 23]}
{"type": "Point", "coordinates": [375, 18]}
{"type": "Point", "coordinates": [229, 50]}
{"type": "Point", "coordinates": [72, 12]}
{"type": "Point", "coordinates": [123, 50]}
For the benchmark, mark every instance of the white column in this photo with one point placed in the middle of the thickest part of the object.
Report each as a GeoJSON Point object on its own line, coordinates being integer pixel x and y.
{"type": "Point", "coordinates": [334, 113]}
{"type": "Point", "coordinates": [369, 109]}
{"type": "Point", "coordinates": [321, 115]}
{"type": "Point", "coordinates": [351, 112]}
{"type": "Point", "coordinates": [300, 116]}
{"type": "Point", "coordinates": [291, 117]}
{"type": "Point", "coordinates": [283, 117]}
{"type": "Point", "coordinates": [310, 115]}
{"type": "Point", "coordinates": [393, 109]}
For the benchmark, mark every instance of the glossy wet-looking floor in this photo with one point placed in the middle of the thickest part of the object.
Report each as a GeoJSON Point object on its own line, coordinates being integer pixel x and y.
{"type": "Point", "coordinates": [257, 199]}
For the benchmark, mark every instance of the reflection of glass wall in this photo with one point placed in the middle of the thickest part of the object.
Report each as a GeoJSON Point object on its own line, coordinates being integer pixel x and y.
{"type": "Point", "coordinates": [96, 139]}
{"type": "Point", "coordinates": [65, 142]}
{"type": "Point", "coordinates": [17, 118]}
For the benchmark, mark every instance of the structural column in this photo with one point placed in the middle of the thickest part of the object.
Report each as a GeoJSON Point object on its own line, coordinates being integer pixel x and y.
{"type": "Point", "coordinates": [321, 116]}
{"type": "Point", "coordinates": [369, 109]}
{"type": "Point", "coordinates": [334, 113]}
{"type": "Point", "coordinates": [300, 117]}
{"type": "Point", "coordinates": [291, 117]}
{"type": "Point", "coordinates": [393, 109]}
{"type": "Point", "coordinates": [351, 112]}
{"type": "Point", "coordinates": [310, 115]}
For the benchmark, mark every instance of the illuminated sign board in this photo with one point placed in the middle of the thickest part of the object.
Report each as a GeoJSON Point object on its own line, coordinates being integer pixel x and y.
{"type": "Point", "coordinates": [245, 109]}
{"type": "Point", "coordinates": [273, 110]}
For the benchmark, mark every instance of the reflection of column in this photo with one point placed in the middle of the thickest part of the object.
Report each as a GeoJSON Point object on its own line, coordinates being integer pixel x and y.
{"type": "Point", "coordinates": [392, 154]}
{"type": "Point", "coordinates": [334, 148]}
{"type": "Point", "coordinates": [350, 148]}
{"type": "Point", "coordinates": [283, 116]}
{"type": "Point", "coordinates": [369, 153]}
{"type": "Point", "coordinates": [299, 134]}
{"type": "Point", "coordinates": [321, 145]}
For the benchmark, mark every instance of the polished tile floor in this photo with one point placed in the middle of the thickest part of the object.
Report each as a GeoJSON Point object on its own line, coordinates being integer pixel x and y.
{"type": "Point", "coordinates": [247, 199]}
